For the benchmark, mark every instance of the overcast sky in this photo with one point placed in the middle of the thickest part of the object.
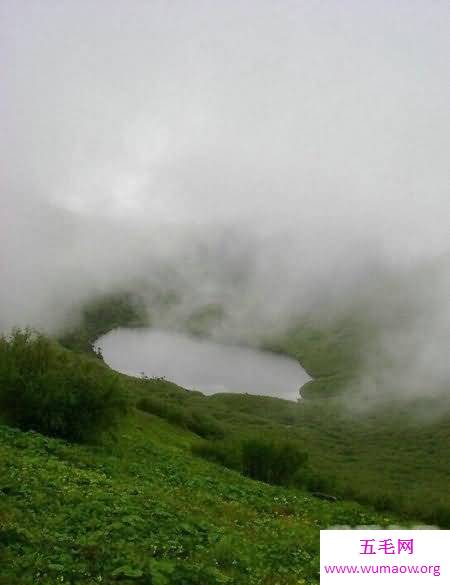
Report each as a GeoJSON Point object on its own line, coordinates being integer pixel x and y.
{"type": "Point", "coordinates": [275, 112]}
{"type": "Point", "coordinates": [322, 127]}
{"type": "Point", "coordinates": [281, 158]}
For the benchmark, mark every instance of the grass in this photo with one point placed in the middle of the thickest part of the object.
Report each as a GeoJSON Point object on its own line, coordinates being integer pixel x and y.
{"type": "Point", "coordinates": [389, 460]}
{"type": "Point", "coordinates": [388, 457]}
{"type": "Point", "coordinates": [142, 507]}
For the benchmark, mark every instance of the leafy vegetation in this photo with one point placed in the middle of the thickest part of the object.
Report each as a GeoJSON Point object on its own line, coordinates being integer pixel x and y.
{"type": "Point", "coordinates": [388, 458]}
{"type": "Point", "coordinates": [47, 389]}
{"type": "Point", "coordinates": [331, 353]}
{"type": "Point", "coordinates": [272, 461]}
{"type": "Point", "coordinates": [141, 506]}
{"type": "Point", "coordinates": [277, 462]}
{"type": "Point", "coordinates": [142, 509]}
{"type": "Point", "coordinates": [200, 423]}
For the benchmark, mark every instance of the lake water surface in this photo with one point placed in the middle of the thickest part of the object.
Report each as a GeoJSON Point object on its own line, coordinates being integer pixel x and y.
{"type": "Point", "coordinates": [202, 364]}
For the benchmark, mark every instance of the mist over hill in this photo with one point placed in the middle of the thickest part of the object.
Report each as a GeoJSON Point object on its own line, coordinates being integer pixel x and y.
{"type": "Point", "coordinates": [284, 162]}
{"type": "Point", "coordinates": [243, 178]}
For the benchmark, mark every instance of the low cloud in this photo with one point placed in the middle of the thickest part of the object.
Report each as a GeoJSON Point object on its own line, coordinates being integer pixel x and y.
{"type": "Point", "coordinates": [281, 159]}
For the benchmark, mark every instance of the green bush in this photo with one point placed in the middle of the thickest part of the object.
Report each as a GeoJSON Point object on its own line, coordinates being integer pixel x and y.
{"type": "Point", "coordinates": [200, 423]}
{"type": "Point", "coordinates": [314, 481]}
{"type": "Point", "coordinates": [269, 460]}
{"type": "Point", "coordinates": [226, 453]}
{"type": "Point", "coordinates": [153, 406]}
{"type": "Point", "coordinates": [204, 425]}
{"type": "Point", "coordinates": [47, 389]}
{"type": "Point", "coordinates": [272, 461]}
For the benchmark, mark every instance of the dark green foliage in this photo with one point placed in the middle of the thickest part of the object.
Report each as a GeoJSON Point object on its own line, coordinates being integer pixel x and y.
{"type": "Point", "coordinates": [331, 353]}
{"type": "Point", "coordinates": [204, 425]}
{"type": "Point", "coordinates": [47, 389]}
{"type": "Point", "coordinates": [226, 453]}
{"type": "Point", "coordinates": [272, 461]}
{"type": "Point", "coordinates": [158, 407]}
{"type": "Point", "coordinates": [200, 423]}
{"type": "Point", "coordinates": [142, 509]}
{"type": "Point", "coordinates": [314, 481]}
{"type": "Point", "coordinates": [371, 459]}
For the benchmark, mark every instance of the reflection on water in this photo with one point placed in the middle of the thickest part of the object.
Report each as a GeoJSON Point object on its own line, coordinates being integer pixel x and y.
{"type": "Point", "coordinates": [202, 364]}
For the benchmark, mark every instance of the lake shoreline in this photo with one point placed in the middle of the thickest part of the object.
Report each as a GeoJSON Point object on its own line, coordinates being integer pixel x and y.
{"type": "Point", "coordinates": [202, 364]}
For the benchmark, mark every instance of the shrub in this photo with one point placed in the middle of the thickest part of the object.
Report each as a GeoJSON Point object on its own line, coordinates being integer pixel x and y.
{"type": "Point", "coordinates": [272, 461]}
{"type": "Point", "coordinates": [226, 453]}
{"type": "Point", "coordinates": [47, 389]}
{"type": "Point", "coordinates": [314, 481]}
{"type": "Point", "coordinates": [200, 423]}
{"type": "Point", "coordinates": [439, 516]}
{"type": "Point", "coordinates": [204, 425]}
{"type": "Point", "coordinates": [153, 406]}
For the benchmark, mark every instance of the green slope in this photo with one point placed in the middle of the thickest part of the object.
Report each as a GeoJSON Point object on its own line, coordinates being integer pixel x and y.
{"type": "Point", "coordinates": [387, 457]}
{"type": "Point", "coordinates": [142, 509]}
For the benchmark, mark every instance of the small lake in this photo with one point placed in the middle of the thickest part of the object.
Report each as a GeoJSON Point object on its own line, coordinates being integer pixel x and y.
{"type": "Point", "coordinates": [202, 364]}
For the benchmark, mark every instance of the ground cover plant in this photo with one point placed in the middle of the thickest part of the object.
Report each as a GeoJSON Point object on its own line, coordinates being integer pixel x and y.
{"type": "Point", "coordinates": [142, 509]}
{"type": "Point", "coordinates": [192, 489]}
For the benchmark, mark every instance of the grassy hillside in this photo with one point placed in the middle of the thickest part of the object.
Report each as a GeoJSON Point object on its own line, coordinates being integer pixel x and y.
{"type": "Point", "coordinates": [142, 506]}
{"type": "Point", "coordinates": [142, 509]}
{"type": "Point", "coordinates": [392, 461]}
{"type": "Point", "coordinates": [386, 457]}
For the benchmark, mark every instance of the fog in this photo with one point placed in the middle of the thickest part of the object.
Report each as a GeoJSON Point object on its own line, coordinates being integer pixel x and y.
{"type": "Point", "coordinates": [285, 159]}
